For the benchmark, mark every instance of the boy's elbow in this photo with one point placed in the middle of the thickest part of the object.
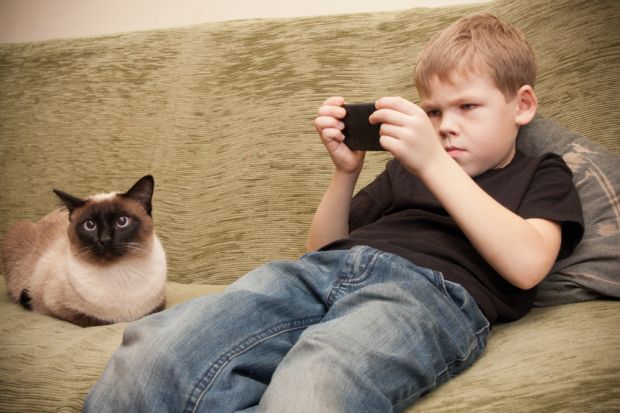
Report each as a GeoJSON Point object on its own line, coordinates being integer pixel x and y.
{"type": "Point", "coordinates": [537, 259]}
{"type": "Point", "coordinates": [531, 274]}
{"type": "Point", "coordinates": [528, 283]}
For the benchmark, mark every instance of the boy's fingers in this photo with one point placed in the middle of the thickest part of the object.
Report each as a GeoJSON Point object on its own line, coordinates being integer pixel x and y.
{"type": "Point", "coordinates": [391, 144]}
{"type": "Point", "coordinates": [333, 111]}
{"type": "Point", "coordinates": [396, 103]}
{"type": "Point", "coordinates": [390, 116]}
{"type": "Point", "coordinates": [331, 133]}
{"type": "Point", "coordinates": [396, 132]}
{"type": "Point", "coordinates": [323, 122]}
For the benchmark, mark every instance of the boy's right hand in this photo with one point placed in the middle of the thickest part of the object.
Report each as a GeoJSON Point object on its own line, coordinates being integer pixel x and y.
{"type": "Point", "coordinates": [329, 125]}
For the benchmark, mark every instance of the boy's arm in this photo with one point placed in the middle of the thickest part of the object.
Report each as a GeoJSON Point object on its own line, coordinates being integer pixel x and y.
{"type": "Point", "coordinates": [331, 220]}
{"type": "Point", "coordinates": [522, 251]}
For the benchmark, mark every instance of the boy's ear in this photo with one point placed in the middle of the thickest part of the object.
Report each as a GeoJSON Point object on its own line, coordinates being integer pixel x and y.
{"type": "Point", "coordinates": [527, 104]}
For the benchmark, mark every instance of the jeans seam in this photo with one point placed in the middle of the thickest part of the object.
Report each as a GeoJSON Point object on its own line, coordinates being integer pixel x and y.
{"type": "Point", "coordinates": [345, 277]}
{"type": "Point", "coordinates": [442, 288]}
{"type": "Point", "coordinates": [479, 342]}
{"type": "Point", "coordinates": [216, 367]}
{"type": "Point", "coordinates": [438, 376]}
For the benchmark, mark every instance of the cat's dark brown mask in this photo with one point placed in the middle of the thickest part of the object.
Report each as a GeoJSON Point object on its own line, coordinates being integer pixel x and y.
{"type": "Point", "coordinates": [109, 226]}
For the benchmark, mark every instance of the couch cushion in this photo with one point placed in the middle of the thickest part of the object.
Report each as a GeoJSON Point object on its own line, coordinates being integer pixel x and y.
{"type": "Point", "coordinates": [593, 270]}
{"type": "Point", "coordinates": [553, 360]}
{"type": "Point", "coordinates": [49, 365]}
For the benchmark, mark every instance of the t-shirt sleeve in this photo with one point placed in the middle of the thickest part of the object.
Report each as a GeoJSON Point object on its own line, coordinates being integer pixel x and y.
{"type": "Point", "coordinates": [552, 195]}
{"type": "Point", "coordinates": [370, 203]}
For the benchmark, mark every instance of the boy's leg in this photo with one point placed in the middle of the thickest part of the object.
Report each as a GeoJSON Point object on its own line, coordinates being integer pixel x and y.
{"type": "Point", "coordinates": [391, 334]}
{"type": "Point", "coordinates": [216, 353]}
{"type": "Point", "coordinates": [386, 335]}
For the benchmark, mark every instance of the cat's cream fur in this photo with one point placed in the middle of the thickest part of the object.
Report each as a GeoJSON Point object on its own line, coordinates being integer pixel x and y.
{"type": "Point", "coordinates": [39, 259]}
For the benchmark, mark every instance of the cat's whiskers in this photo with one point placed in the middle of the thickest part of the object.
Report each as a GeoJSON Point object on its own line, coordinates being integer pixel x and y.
{"type": "Point", "coordinates": [134, 246]}
{"type": "Point", "coordinates": [83, 252]}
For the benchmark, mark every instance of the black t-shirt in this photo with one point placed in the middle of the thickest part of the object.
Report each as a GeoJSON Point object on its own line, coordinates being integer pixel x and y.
{"type": "Point", "coordinates": [397, 214]}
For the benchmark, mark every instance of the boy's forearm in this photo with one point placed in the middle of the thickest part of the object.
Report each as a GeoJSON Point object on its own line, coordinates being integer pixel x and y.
{"type": "Point", "coordinates": [331, 219]}
{"type": "Point", "coordinates": [522, 251]}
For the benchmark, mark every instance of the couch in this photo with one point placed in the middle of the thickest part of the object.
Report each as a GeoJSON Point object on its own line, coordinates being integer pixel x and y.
{"type": "Point", "coordinates": [221, 114]}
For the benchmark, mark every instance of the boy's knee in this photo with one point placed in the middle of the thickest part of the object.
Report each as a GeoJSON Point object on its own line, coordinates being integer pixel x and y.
{"type": "Point", "coordinates": [140, 366]}
{"type": "Point", "coordinates": [322, 388]}
{"type": "Point", "coordinates": [314, 376]}
{"type": "Point", "coordinates": [307, 390]}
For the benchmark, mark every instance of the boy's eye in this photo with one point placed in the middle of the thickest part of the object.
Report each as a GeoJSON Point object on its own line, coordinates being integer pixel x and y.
{"type": "Point", "coordinates": [89, 225]}
{"type": "Point", "coordinates": [431, 113]}
{"type": "Point", "coordinates": [122, 222]}
{"type": "Point", "coordinates": [468, 106]}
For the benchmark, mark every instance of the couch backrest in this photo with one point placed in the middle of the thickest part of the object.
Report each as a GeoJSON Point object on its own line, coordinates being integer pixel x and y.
{"type": "Point", "coordinates": [221, 114]}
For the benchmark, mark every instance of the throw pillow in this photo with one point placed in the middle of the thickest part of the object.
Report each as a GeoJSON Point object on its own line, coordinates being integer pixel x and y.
{"type": "Point", "coordinates": [593, 270]}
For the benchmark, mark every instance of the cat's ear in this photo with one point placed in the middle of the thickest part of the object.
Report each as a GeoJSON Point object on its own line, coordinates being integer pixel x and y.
{"type": "Point", "coordinates": [142, 191]}
{"type": "Point", "coordinates": [70, 201]}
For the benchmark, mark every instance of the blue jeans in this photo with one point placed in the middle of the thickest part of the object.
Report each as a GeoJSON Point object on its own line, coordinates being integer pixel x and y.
{"type": "Point", "coordinates": [337, 331]}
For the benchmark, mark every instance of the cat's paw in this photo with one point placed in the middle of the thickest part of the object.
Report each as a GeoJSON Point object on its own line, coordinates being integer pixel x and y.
{"type": "Point", "coordinates": [25, 299]}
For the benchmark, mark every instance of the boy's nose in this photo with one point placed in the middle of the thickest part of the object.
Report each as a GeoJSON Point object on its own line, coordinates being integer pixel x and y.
{"type": "Point", "coordinates": [447, 127]}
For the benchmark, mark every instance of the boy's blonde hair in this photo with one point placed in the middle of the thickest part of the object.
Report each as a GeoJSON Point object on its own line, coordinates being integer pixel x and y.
{"type": "Point", "coordinates": [480, 44]}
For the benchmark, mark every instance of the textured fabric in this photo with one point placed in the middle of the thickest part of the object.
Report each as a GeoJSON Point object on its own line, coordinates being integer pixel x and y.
{"type": "Point", "coordinates": [49, 365]}
{"type": "Point", "coordinates": [545, 362]}
{"type": "Point", "coordinates": [396, 213]}
{"type": "Point", "coordinates": [594, 268]}
{"type": "Point", "coordinates": [221, 114]}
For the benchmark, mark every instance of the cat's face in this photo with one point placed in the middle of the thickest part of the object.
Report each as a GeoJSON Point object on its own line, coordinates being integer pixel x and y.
{"type": "Point", "coordinates": [109, 229]}
{"type": "Point", "coordinates": [106, 227]}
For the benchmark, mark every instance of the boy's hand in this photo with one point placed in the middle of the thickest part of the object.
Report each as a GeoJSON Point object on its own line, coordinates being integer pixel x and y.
{"type": "Point", "coordinates": [331, 219]}
{"type": "Point", "coordinates": [407, 132]}
{"type": "Point", "coordinates": [329, 125]}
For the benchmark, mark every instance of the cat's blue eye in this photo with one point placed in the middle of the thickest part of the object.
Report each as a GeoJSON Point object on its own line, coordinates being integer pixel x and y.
{"type": "Point", "coordinates": [90, 225]}
{"type": "Point", "coordinates": [122, 222]}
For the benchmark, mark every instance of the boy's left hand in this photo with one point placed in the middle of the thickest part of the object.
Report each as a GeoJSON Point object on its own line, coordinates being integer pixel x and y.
{"type": "Point", "coordinates": [407, 132]}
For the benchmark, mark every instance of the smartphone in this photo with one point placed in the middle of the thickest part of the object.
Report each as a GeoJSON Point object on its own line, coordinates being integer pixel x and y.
{"type": "Point", "coordinates": [359, 133]}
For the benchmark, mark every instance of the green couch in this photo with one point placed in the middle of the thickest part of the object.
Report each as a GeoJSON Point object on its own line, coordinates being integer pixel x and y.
{"type": "Point", "coordinates": [221, 114]}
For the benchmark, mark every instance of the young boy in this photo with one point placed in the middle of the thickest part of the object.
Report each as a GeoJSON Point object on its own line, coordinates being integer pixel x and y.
{"type": "Point", "coordinates": [405, 278]}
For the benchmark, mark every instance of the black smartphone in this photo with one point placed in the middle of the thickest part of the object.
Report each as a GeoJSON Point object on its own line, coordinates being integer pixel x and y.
{"type": "Point", "coordinates": [359, 133]}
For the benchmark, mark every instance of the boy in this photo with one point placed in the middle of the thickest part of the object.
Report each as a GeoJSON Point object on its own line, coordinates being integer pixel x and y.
{"type": "Point", "coordinates": [404, 279]}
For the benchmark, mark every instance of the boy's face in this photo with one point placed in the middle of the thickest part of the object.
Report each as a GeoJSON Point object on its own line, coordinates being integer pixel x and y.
{"type": "Point", "coordinates": [475, 123]}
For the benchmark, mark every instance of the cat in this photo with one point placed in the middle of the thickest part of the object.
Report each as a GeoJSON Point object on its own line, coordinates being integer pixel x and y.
{"type": "Point", "coordinates": [94, 261]}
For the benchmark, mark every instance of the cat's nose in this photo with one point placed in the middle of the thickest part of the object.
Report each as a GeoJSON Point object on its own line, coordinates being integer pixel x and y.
{"type": "Point", "coordinates": [105, 239]}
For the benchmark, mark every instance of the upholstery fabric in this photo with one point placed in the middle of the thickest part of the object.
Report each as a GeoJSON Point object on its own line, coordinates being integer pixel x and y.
{"type": "Point", "coordinates": [88, 115]}
{"type": "Point", "coordinates": [221, 114]}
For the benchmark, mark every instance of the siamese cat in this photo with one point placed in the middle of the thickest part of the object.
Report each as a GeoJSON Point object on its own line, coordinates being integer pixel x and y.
{"type": "Point", "coordinates": [95, 261]}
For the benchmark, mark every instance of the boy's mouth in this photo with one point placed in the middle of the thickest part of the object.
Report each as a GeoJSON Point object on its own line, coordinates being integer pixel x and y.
{"type": "Point", "coordinates": [454, 150]}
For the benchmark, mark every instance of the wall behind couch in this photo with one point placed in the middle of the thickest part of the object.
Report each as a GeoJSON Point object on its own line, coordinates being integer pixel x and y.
{"type": "Point", "coordinates": [34, 20]}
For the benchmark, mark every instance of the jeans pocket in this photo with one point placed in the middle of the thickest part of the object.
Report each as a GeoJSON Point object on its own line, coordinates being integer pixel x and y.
{"type": "Point", "coordinates": [468, 306]}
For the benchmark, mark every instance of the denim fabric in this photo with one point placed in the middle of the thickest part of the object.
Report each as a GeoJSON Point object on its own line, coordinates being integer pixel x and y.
{"type": "Point", "coordinates": [337, 331]}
